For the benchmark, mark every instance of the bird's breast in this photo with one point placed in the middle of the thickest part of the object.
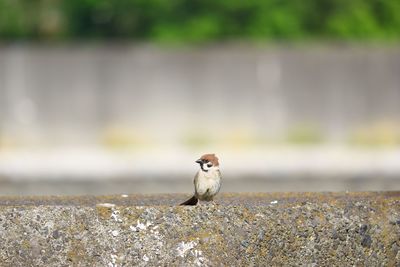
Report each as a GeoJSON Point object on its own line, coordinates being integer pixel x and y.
{"type": "Point", "coordinates": [207, 185]}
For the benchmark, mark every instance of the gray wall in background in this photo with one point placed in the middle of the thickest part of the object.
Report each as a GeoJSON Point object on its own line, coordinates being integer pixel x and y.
{"type": "Point", "coordinates": [82, 89]}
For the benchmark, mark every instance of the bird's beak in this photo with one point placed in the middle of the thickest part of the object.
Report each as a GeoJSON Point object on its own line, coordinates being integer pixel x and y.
{"type": "Point", "coordinates": [199, 161]}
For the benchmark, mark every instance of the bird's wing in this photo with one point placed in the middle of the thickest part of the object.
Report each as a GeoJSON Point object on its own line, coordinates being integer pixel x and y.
{"type": "Point", "coordinates": [196, 181]}
{"type": "Point", "coordinates": [219, 174]}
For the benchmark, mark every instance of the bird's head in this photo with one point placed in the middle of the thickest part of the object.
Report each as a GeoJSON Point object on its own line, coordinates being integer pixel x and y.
{"type": "Point", "coordinates": [207, 162]}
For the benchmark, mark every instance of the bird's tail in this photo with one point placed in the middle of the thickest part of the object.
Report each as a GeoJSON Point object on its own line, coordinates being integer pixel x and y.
{"type": "Point", "coordinates": [190, 202]}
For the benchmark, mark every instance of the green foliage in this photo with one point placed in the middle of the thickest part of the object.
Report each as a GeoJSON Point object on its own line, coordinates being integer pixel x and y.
{"type": "Point", "coordinates": [305, 134]}
{"type": "Point", "coordinates": [199, 21]}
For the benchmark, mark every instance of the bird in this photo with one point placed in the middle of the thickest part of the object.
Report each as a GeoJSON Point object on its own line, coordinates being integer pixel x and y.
{"type": "Point", "coordinates": [207, 181]}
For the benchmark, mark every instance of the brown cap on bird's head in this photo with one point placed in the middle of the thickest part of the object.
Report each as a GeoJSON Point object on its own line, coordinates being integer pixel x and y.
{"type": "Point", "coordinates": [211, 158]}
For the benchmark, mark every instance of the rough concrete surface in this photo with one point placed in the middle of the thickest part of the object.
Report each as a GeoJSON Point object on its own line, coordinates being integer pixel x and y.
{"type": "Point", "coordinates": [288, 229]}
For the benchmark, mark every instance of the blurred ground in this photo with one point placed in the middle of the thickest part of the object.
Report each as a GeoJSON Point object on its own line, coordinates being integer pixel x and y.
{"type": "Point", "coordinates": [96, 171]}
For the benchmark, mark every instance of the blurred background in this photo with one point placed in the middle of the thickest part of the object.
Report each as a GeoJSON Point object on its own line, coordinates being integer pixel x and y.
{"type": "Point", "coordinates": [118, 97]}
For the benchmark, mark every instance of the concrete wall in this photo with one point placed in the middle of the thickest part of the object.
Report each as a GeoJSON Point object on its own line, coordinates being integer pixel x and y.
{"type": "Point", "coordinates": [282, 229]}
{"type": "Point", "coordinates": [168, 92]}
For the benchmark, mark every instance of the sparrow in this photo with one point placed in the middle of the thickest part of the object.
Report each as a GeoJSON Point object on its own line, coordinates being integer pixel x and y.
{"type": "Point", "coordinates": [207, 181]}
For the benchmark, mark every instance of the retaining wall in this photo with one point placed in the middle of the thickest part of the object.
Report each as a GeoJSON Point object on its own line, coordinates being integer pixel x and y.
{"type": "Point", "coordinates": [279, 229]}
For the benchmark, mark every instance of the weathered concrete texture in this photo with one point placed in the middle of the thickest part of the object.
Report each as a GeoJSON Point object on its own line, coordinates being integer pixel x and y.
{"type": "Point", "coordinates": [361, 229]}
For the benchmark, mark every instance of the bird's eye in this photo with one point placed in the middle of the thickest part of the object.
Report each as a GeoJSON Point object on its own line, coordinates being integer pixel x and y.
{"type": "Point", "coordinates": [209, 165]}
